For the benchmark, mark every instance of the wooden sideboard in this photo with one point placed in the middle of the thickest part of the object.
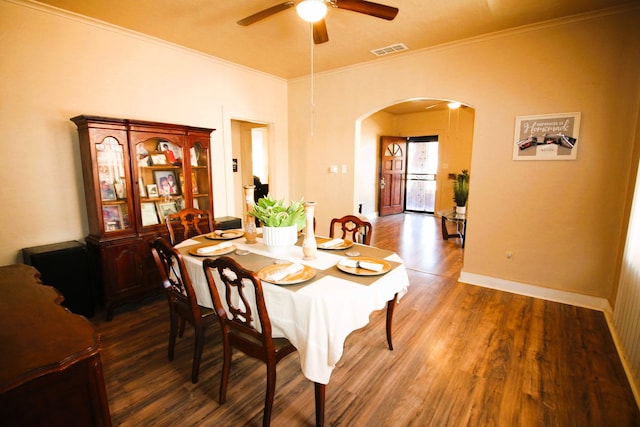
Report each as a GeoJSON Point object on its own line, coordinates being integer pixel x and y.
{"type": "Point", "coordinates": [50, 368]}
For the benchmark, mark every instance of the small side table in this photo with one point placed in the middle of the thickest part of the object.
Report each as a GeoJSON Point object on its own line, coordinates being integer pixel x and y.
{"type": "Point", "coordinates": [460, 221]}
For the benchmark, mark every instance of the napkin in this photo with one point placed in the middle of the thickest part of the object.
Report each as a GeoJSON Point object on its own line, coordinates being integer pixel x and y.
{"type": "Point", "coordinates": [373, 266]}
{"type": "Point", "coordinates": [214, 248]}
{"type": "Point", "coordinates": [278, 275]}
{"type": "Point", "coordinates": [331, 243]}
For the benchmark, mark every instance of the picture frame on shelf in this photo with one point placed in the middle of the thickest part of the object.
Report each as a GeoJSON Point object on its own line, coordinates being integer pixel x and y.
{"type": "Point", "coordinates": [121, 188]}
{"type": "Point", "coordinates": [112, 217]}
{"type": "Point", "coordinates": [166, 182]}
{"type": "Point", "coordinates": [149, 214]}
{"type": "Point", "coordinates": [107, 191]}
{"type": "Point", "coordinates": [180, 203]}
{"type": "Point", "coordinates": [142, 188]}
{"type": "Point", "coordinates": [194, 183]}
{"type": "Point", "coordinates": [152, 190]}
{"type": "Point", "coordinates": [194, 156]}
{"type": "Point", "coordinates": [171, 151]}
{"type": "Point", "coordinates": [159, 159]}
{"type": "Point", "coordinates": [166, 208]}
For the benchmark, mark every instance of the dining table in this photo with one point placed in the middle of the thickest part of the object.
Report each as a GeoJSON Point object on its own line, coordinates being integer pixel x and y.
{"type": "Point", "coordinates": [318, 312]}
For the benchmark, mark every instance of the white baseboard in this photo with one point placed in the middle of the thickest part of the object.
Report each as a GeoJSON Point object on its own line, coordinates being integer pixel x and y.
{"type": "Point", "coordinates": [580, 300]}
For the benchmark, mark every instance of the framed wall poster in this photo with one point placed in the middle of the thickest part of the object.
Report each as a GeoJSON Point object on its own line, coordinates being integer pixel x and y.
{"type": "Point", "coordinates": [166, 182]}
{"type": "Point", "coordinates": [149, 214]}
{"type": "Point", "coordinates": [547, 137]}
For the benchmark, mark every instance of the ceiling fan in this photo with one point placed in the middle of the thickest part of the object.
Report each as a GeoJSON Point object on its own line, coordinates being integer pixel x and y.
{"type": "Point", "coordinates": [320, 34]}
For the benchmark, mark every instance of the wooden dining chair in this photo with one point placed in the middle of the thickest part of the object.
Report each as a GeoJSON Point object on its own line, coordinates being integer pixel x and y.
{"type": "Point", "coordinates": [183, 305]}
{"type": "Point", "coordinates": [187, 223]}
{"type": "Point", "coordinates": [360, 231]}
{"type": "Point", "coordinates": [242, 328]}
{"type": "Point", "coordinates": [352, 227]}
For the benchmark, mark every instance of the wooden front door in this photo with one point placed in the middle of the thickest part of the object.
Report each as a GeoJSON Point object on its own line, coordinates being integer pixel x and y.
{"type": "Point", "coordinates": [392, 175]}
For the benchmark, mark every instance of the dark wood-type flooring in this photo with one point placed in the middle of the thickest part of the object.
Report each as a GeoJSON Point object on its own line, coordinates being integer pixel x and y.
{"type": "Point", "coordinates": [464, 356]}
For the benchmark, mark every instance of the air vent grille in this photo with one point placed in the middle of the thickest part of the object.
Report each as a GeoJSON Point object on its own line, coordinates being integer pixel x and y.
{"type": "Point", "coordinates": [389, 49]}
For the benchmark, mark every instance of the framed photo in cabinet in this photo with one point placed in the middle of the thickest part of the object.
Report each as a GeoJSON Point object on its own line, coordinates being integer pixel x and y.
{"type": "Point", "coordinates": [158, 159]}
{"type": "Point", "coordinates": [166, 208]}
{"type": "Point", "coordinates": [152, 190]}
{"type": "Point", "coordinates": [107, 192]}
{"type": "Point", "coordinates": [142, 188]}
{"type": "Point", "coordinates": [112, 217]}
{"type": "Point", "coordinates": [121, 188]}
{"type": "Point", "coordinates": [149, 214]}
{"type": "Point", "coordinates": [172, 151]}
{"type": "Point", "coordinates": [166, 182]}
{"type": "Point", "coordinates": [194, 183]}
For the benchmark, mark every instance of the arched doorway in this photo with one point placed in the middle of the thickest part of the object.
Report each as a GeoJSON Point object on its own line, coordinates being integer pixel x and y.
{"type": "Point", "coordinates": [434, 118]}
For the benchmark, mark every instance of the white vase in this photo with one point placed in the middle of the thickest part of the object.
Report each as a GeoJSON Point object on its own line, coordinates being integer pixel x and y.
{"type": "Point", "coordinates": [309, 246]}
{"type": "Point", "coordinates": [461, 210]}
{"type": "Point", "coordinates": [279, 239]}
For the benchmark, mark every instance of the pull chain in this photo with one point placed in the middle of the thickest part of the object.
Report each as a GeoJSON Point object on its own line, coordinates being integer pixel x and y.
{"type": "Point", "coordinates": [313, 106]}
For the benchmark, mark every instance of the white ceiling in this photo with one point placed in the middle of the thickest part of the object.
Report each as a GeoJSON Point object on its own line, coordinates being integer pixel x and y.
{"type": "Point", "coordinates": [281, 44]}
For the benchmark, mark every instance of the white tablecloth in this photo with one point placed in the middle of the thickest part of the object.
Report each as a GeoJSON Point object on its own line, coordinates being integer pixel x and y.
{"type": "Point", "coordinates": [316, 318]}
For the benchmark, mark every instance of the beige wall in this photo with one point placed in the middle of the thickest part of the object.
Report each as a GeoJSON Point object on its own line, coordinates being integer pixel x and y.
{"type": "Point", "coordinates": [563, 220]}
{"type": "Point", "coordinates": [55, 66]}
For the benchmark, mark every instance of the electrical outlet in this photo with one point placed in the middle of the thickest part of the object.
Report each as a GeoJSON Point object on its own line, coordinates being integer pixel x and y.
{"type": "Point", "coordinates": [509, 256]}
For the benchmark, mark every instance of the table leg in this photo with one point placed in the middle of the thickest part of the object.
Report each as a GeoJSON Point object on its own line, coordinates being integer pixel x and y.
{"type": "Point", "coordinates": [464, 232]}
{"type": "Point", "coordinates": [391, 305]}
{"type": "Point", "coordinates": [445, 233]}
{"type": "Point", "coordinates": [319, 392]}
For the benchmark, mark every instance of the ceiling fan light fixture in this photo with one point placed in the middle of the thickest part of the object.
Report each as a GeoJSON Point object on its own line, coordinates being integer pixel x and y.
{"type": "Point", "coordinates": [312, 10]}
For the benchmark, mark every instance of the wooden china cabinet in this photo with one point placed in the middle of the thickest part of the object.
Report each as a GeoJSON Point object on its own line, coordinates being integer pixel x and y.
{"type": "Point", "coordinates": [136, 173]}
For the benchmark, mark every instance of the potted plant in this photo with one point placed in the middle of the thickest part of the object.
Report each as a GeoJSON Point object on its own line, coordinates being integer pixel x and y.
{"type": "Point", "coordinates": [461, 191]}
{"type": "Point", "coordinates": [280, 223]}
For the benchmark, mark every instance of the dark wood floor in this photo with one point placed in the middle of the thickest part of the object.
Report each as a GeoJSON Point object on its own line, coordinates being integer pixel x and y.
{"type": "Point", "coordinates": [464, 356]}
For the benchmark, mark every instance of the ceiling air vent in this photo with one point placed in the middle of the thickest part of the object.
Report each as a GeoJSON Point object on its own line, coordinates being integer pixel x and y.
{"type": "Point", "coordinates": [389, 49]}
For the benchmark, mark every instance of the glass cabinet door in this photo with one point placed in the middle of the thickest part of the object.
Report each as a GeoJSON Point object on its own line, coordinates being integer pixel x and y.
{"type": "Point", "coordinates": [113, 192]}
{"type": "Point", "coordinates": [200, 179]}
{"type": "Point", "coordinates": [159, 174]}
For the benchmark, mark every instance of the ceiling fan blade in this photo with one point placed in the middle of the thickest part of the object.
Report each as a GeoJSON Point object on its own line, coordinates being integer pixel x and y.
{"type": "Point", "coordinates": [368, 8]}
{"type": "Point", "coordinates": [265, 13]}
{"type": "Point", "coordinates": [320, 34]}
